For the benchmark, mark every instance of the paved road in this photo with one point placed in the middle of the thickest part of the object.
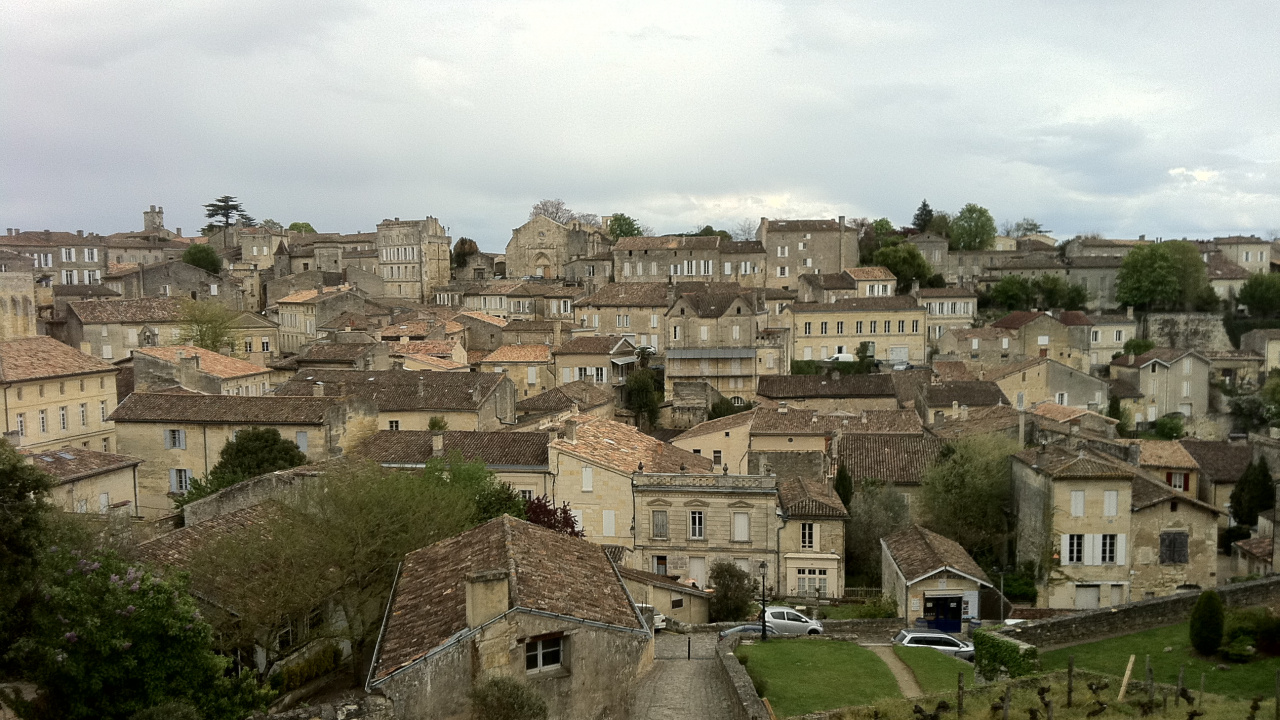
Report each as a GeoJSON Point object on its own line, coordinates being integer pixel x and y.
{"type": "Point", "coordinates": [679, 688]}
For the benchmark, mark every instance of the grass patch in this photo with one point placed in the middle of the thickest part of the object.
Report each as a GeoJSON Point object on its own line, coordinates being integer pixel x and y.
{"type": "Point", "coordinates": [855, 611]}
{"type": "Point", "coordinates": [806, 675]}
{"type": "Point", "coordinates": [1110, 656]}
{"type": "Point", "coordinates": [935, 671]}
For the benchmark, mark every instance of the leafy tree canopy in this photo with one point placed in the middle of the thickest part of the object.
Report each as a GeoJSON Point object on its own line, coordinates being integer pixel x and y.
{"type": "Point", "coordinates": [24, 527]}
{"type": "Point", "coordinates": [734, 593]}
{"type": "Point", "coordinates": [272, 225]}
{"type": "Point", "coordinates": [1254, 493]}
{"type": "Point", "coordinates": [207, 324]}
{"type": "Point", "coordinates": [437, 424]}
{"type": "Point", "coordinates": [1207, 620]}
{"type": "Point", "coordinates": [644, 396]}
{"type": "Point", "coordinates": [1164, 276]}
{"type": "Point", "coordinates": [558, 211]}
{"type": "Point", "coordinates": [883, 227]}
{"type": "Point", "coordinates": [541, 511]}
{"type": "Point", "coordinates": [906, 263]}
{"type": "Point", "coordinates": [253, 452]}
{"type": "Point", "coordinates": [875, 511]}
{"type": "Point", "coordinates": [226, 208]}
{"type": "Point", "coordinates": [625, 226]}
{"type": "Point", "coordinates": [301, 227]}
{"type": "Point", "coordinates": [203, 257]}
{"type": "Point", "coordinates": [724, 407]}
{"type": "Point", "coordinates": [1024, 227]}
{"type": "Point", "coordinates": [966, 492]}
{"type": "Point", "coordinates": [1261, 294]}
{"type": "Point", "coordinates": [705, 231]}
{"type": "Point", "coordinates": [504, 698]}
{"type": "Point", "coordinates": [1169, 427]}
{"type": "Point", "coordinates": [463, 249]}
{"type": "Point", "coordinates": [1137, 346]}
{"type": "Point", "coordinates": [973, 228]}
{"type": "Point", "coordinates": [941, 224]}
{"type": "Point", "coordinates": [923, 216]}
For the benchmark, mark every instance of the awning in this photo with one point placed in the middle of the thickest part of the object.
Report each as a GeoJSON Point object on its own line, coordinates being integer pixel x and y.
{"type": "Point", "coordinates": [624, 360]}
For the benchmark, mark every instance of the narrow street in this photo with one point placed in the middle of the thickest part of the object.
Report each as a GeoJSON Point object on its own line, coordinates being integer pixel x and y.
{"type": "Point", "coordinates": [679, 688]}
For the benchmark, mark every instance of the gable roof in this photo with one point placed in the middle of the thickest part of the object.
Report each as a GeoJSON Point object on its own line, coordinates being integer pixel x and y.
{"type": "Point", "coordinates": [1060, 463]}
{"type": "Point", "coordinates": [140, 310]}
{"type": "Point", "coordinates": [1220, 461]}
{"type": "Point", "coordinates": [1020, 318]}
{"type": "Point", "coordinates": [1164, 356]}
{"type": "Point", "coordinates": [593, 345]}
{"type": "Point", "coordinates": [622, 448]}
{"type": "Point", "coordinates": [414, 447]}
{"type": "Point", "coordinates": [715, 302]}
{"type": "Point", "coordinates": [335, 352]}
{"type": "Point", "coordinates": [38, 357]}
{"type": "Point", "coordinates": [1062, 413]}
{"type": "Point", "coordinates": [1148, 492]}
{"type": "Point", "coordinates": [69, 464]}
{"type": "Point", "coordinates": [896, 459]}
{"type": "Point", "coordinates": [395, 390]}
{"type": "Point", "coordinates": [870, 272]}
{"type": "Point", "coordinates": [919, 552]}
{"type": "Point", "coordinates": [519, 354]}
{"type": "Point", "coordinates": [892, 302]}
{"type": "Point", "coordinates": [719, 425]}
{"type": "Point", "coordinates": [802, 498]}
{"type": "Point", "coordinates": [546, 571]}
{"type": "Point", "coordinates": [663, 581]}
{"type": "Point", "coordinates": [782, 387]}
{"type": "Point", "coordinates": [177, 549]}
{"type": "Point", "coordinates": [222, 409]}
{"type": "Point", "coordinates": [982, 420]}
{"type": "Point", "coordinates": [1163, 454]}
{"type": "Point", "coordinates": [482, 317]}
{"type": "Point", "coordinates": [315, 295]}
{"type": "Point", "coordinates": [212, 363]}
{"type": "Point", "coordinates": [972, 393]}
{"type": "Point", "coordinates": [579, 392]}
{"type": "Point", "coordinates": [804, 226]}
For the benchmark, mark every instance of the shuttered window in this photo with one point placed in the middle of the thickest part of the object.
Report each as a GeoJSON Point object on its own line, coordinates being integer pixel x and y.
{"type": "Point", "coordinates": [1110, 502]}
{"type": "Point", "coordinates": [741, 527]}
{"type": "Point", "coordinates": [1173, 548]}
{"type": "Point", "coordinates": [1077, 503]}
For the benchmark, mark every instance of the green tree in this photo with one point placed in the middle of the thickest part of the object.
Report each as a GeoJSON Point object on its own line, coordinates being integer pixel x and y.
{"type": "Point", "coordinates": [1169, 427]}
{"type": "Point", "coordinates": [706, 231]}
{"type": "Point", "coordinates": [108, 640]}
{"type": "Point", "coordinates": [1024, 227]}
{"type": "Point", "coordinates": [734, 593]}
{"type": "Point", "coordinates": [874, 512]}
{"type": "Point", "coordinates": [624, 226]}
{"type": "Point", "coordinates": [1254, 493]}
{"type": "Point", "coordinates": [973, 228]}
{"type": "Point", "coordinates": [725, 407]}
{"type": "Point", "coordinates": [203, 257]}
{"type": "Point", "coordinates": [1261, 294]}
{"type": "Point", "coordinates": [495, 499]}
{"type": "Point", "coordinates": [883, 227]}
{"type": "Point", "coordinates": [24, 529]}
{"type": "Point", "coordinates": [207, 324]}
{"type": "Point", "coordinates": [1013, 292]}
{"type": "Point", "coordinates": [1207, 620]}
{"type": "Point", "coordinates": [272, 225]}
{"type": "Point", "coordinates": [301, 227]}
{"type": "Point", "coordinates": [941, 224]}
{"type": "Point", "coordinates": [1137, 346]}
{"type": "Point", "coordinates": [1163, 276]}
{"type": "Point", "coordinates": [226, 209]}
{"type": "Point", "coordinates": [1117, 412]}
{"type": "Point", "coordinates": [247, 220]}
{"type": "Point", "coordinates": [966, 493]}
{"type": "Point", "coordinates": [643, 396]}
{"type": "Point", "coordinates": [463, 249]}
{"type": "Point", "coordinates": [906, 263]}
{"type": "Point", "coordinates": [504, 698]}
{"type": "Point", "coordinates": [437, 423]}
{"type": "Point", "coordinates": [844, 485]}
{"type": "Point", "coordinates": [1052, 291]}
{"type": "Point", "coordinates": [923, 216]}
{"type": "Point", "coordinates": [253, 452]}
{"type": "Point", "coordinates": [541, 511]}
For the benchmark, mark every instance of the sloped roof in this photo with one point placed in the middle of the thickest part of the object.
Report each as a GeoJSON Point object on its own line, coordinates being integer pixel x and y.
{"type": "Point", "coordinates": [212, 363]}
{"type": "Point", "coordinates": [1062, 413]}
{"type": "Point", "coordinates": [593, 345]}
{"type": "Point", "coordinates": [1166, 356]}
{"type": "Point", "coordinates": [1164, 454]}
{"type": "Point", "coordinates": [584, 394]}
{"type": "Point", "coordinates": [1258, 547]}
{"type": "Point", "coordinates": [1020, 318]}
{"type": "Point", "coordinates": [668, 242]}
{"type": "Point", "coordinates": [947, 292]}
{"type": "Point", "coordinates": [222, 409]}
{"type": "Point", "coordinates": [179, 548]}
{"type": "Point", "coordinates": [804, 226]}
{"type": "Point", "coordinates": [893, 302]}
{"type": "Point", "coordinates": [518, 449]}
{"type": "Point", "coordinates": [1220, 268]}
{"type": "Point", "coordinates": [628, 294]}
{"type": "Point", "coordinates": [38, 357]}
{"type": "Point", "coordinates": [949, 371]}
{"type": "Point", "coordinates": [649, 578]}
{"type": "Point", "coordinates": [896, 459]}
{"type": "Point", "coordinates": [830, 281]}
{"type": "Point", "coordinates": [802, 498]}
{"type": "Point", "coordinates": [783, 387]}
{"type": "Point", "coordinates": [396, 390]}
{"type": "Point", "coordinates": [720, 424]}
{"type": "Point", "coordinates": [1220, 461]}
{"type": "Point", "coordinates": [519, 354]}
{"type": "Point", "coordinates": [623, 448]}
{"type": "Point", "coordinates": [919, 552]}
{"type": "Point", "coordinates": [870, 272]}
{"type": "Point", "coordinates": [70, 463]}
{"type": "Point", "coordinates": [483, 317]}
{"type": "Point", "coordinates": [141, 310]}
{"type": "Point", "coordinates": [335, 352]}
{"type": "Point", "coordinates": [714, 303]}
{"type": "Point", "coordinates": [546, 570]}
{"type": "Point", "coordinates": [1059, 462]}
{"type": "Point", "coordinates": [982, 420]}
{"type": "Point", "coordinates": [314, 295]}
{"type": "Point", "coordinates": [972, 393]}
{"type": "Point", "coordinates": [1146, 492]}
{"type": "Point", "coordinates": [442, 348]}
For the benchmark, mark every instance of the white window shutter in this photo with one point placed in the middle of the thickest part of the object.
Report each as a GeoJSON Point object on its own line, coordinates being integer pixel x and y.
{"type": "Point", "coordinates": [587, 480]}
{"type": "Point", "coordinates": [173, 480]}
{"type": "Point", "coordinates": [1120, 549]}
{"type": "Point", "coordinates": [1097, 549]}
{"type": "Point", "coordinates": [182, 439]}
{"type": "Point", "coordinates": [1065, 551]}
{"type": "Point", "coordinates": [1088, 549]}
{"type": "Point", "coordinates": [566, 375]}
{"type": "Point", "coordinates": [609, 523]}
{"type": "Point", "coordinates": [167, 444]}
{"type": "Point", "coordinates": [1077, 503]}
{"type": "Point", "coordinates": [817, 541]}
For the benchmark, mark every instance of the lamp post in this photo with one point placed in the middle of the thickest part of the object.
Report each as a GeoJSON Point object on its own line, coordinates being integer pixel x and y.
{"type": "Point", "coordinates": [764, 631]}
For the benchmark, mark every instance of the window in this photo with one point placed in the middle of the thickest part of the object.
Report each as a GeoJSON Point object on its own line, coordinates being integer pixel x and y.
{"type": "Point", "coordinates": [1077, 503]}
{"type": "Point", "coordinates": [393, 424]}
{"type": "Point", "coordinates": [102, 410]}
{"type": "Point", "coordinates": [542, 654]}
{"type": "Point", "coordinates": [697, 530]}
{"type": "Point", "coordinates": [84, 414]}
{"type": "Point", "coordinates": [717, 457]}
{"type": "Point", "coordinates": [675, 332]}
{"type": "Point", "coordinates": [62, 417]}
{"type": "Point", "coordinates": [1042, 340]}
{"type": "Point", "coordinates": [1004, 343]}
{"type": "Point", "coordinates": [660, 564]}
{"type": "Point", "coordinates": [1176, 480]}
{"type": "Point", "coordinates": [1095, 336]}
{"type": "Point", "coordinates": [823, 328]}
{"type": "Point", "coordinates": [1060, 398]}
{"type": "Point", "coordinates": [1075, 548]}
{"type": "Point", "coordinates": [706, 267]}
{"type": "Point", "coordinates": [587, 479]}
{"type": "Point", "coordinates": [839, 327]}
{"type": "Point", "coordinates": [533, 375]}
{"type": "Point", "coordinates": [106, 445]}
{"type": "Point", "coordinates": [213, 289]}
{"type": "Point", "coordinates": [1119, 336]}
{"type": "Point", "coordinates": [68, 254]}
{"type": "Point", "coordinates": [1110, 502]}
{"type": "Point", "coordinates": [300, 439]}
{"type": "Point", "coordinates": [179, 480]}
{"type": "Point", "coordinates": [728, 268]}
{"type": "Point", "coordinates": [248, 345]}
{"type": "Point", "coordinates": [782, 251]}
{"type": "Point", "coordinates": [164, 290]}
{"type": "Point", "coordinates": [810, 580]}
{"type": "Point", "coordinates": [1186, 389]}
{"type": "Point", "coordinates": [68, 277]}
{"type": "Point", "coordinates": [266, 344]}
{"type": "Point", "coordinates": [44, 421]}
{"type": "Point", "coordinates": [599, 374]}
{"type": "Point", "coordinates": [737, 332]}
{"type": "Point", "coordinates": [808, 328]}
{"type": "Point", "coordinates": [807, 534]}
{"type": "Point", "coordinates": [22, 424]}
{"type": "Point", "coordinates": [1108, 550]}
{"type": "Point", "coordinates": [1186, 368]}
{"type": "Point", "coordinates": [782, 271]}
{"type": "Point", "coordinates": [1173, 548]}
{"type": "Point", "coordinates": [741, 527]}
{"type": "Point", "coordinates": [902, 326]}
{"type": "Point", "coordinates": [702, 332]}
{"type": "Point", "coordinates": [609, 521]}
{"type": "Point", "coordinates": [658, 526]}
{"type": "Point", "coordinates": [106, 352]}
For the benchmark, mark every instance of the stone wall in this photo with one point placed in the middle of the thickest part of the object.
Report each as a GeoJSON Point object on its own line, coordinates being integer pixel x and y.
{"type": "Point", "coordinates": [748, 705]}
{"type": "Point", "coordinates": [1188, 331]}
{"type": "Point", "coordinates": [871, 628]}
{"type": "Point", "coordinates": [372, 707]}
{"type": "Point", "coordinates": [1142, 615]}
{"type": "Point", "coordinates": [277, 485]}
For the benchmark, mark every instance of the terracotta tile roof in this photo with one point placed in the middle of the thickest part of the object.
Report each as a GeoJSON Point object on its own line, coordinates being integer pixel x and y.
{"type": "Point", "coordinates": [335, 352]}
{"type": "Point", "coordinates": [580, 392]}
{"type": "Point", "coordinates": [1019, 318]}
{"type": "Point", "coordinates": [949, 371]}
{"type": "Point", "coordinates": [1073, 318]}
{"type": "Point", "coordinates": [983, 420]}
{"type": "Point", "coordinates": [715, 302]}
{"type": "Point", "coordinates": [38, 357]}
{"type": "Point", "coordinates": [222, 409]}
{"type": "Point", "coordinates": [485, 317]}
{"type": "Point", "coordinates": [398, 390]}
{"type": "Point", "coordinates": [971, 392]}
{"type": "Point", "coordinates": [804, 226]}
{"type": "Point", "coordinates": [895, 302]}
{"type": "Point", "coordinates": [801, 498]}
{"type": "Point", "coordinates": [719, 425]}
{"type": "Point", "coordinates": [434, 363]}
{"type": "Point", "coordinates": [623, 448]}
{"type": "Point", "coordinates": [1220, 461]}
{"type": "Point", "coordinates": [1146, 492]}
{"type": "Point", "coordinates": [1258, 547]}
{"type": "Point", "coordinates": [211, 362]}
{"type": "Point", "coordinates": [668, 242]}
{"type": "Point", "coordinates": [830, 281]}
{"type": "Point", "coordinates": [179, 549]}
{"type": "Point", "coordinates": [896, 459]}
{"type": "Point", "coordinates": [69, 464]}
{"type": "Point", "coordinates": [1220, 268]}
{"type": "Point", "coordinates": [628, 294]}
{"type": "Point", "coordinates": [1059, 462]}
{"type": "Point", "coordinates": [1240, 240]}
{"type": "Point", "coordinates": [919, 552]}
{"type": "Point", "coordinates": [1164, 454]}
{"type": "Point", "coordinates": [141, 310]}
{"type": "Point", "coordinates": [314, 295]}
{"type": "Point", "coordinates": [870, 272]}
{"type": "Point", "coordinates": [947, 292]}
{"type": "Point", "coordinates": [595, 345]}
{"type": "Point", "coordinates": [475, 356]}
{"type": "Point", "coordinates": [783, 387]}
{"type": "Point", "coordinates": [741, 247]}
{"type": "Point", "coordinates": [879, 421]}
{"type": "Point", "coordinates": [793, 421]}
{"type": "Point", "coordinates": [517, 326]}
{"type": "Point", "coordinates": [443, 348]}
{"type": "Point", "coordinates": [516, 449]}
{"type": "Point", "coordinates": [547, 571]}
{"type": "Point", "coordinates": [519, 354]}
{"type": "Point", "coordinates": [411, 328]}
{"type": "Point", "coordinates": [1062, 413]}
{"type": "Point", "coordinates": [116, 270]}
{"type": "Point", "coordinates": [350, 320]}
{"type": "Point", "coordinates": [649, 578]}
{"type": "Point", "coordinates": [1123, 389]}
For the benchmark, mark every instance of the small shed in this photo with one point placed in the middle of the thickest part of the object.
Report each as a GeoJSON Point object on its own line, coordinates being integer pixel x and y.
{"type": "Point", "coordinates": [931, 577]}
{"type": "Point", "coordinates": [667, 596]}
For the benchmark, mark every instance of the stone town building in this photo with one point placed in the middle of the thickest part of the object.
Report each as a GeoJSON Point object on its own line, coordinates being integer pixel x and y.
{"type": "Point", "coordinates": [1225, 277]}
{"type": "Point", "coordinates": [88, 481]}
{"type": "Point", "coordinates": [931, 577]}
{"type": "Point", "coordinates": [156, 369]}
{"type": "Point", "coordinates": [578, 396]}
{"type": "Point", "coordinates": [717, 337]}
{"type": "Point", "coordinates": [413, 255]}
{"type": "Point", "coordinates": [1039, 380]}
{"type": "Point", "coordinates": [800, 247]}
{"type": "Point", "coordinates": [175, 279]}
{"type": "Point", "coordinates": [1109, 334]}
{"type": "Point", "coordinates": [18, 304]}
{"type": "Point", "coordinates": [897, 460]}
{"type": "Point", "coordinates": [483, 605]}
{"type": "Point", "coordinates": [409, 400]}
{"type": "Point", "coordinates": [951, 308]}
{"type": "Point", "coordinates": [543, 247]}
{"type": "Point", "coordinates": [1251, 253]}
{"type": "Point", "coordinates": [673, 258]}
{"type": "Point", "coordinates": [872, 281]}
{"type": "Point", "coordinates": [180, 436]}
{"type": "Point", "coordinates": [630, 308]}
{"type": "Point", "coordinates": [529, 367]}
{"type": "Point", "coordinates": [675, 600]}
{"type": "Point", "coordinates": [811, 539]}
{"type": "Point", "coordinates": [56, 396]}
{"type": "Point", "coordinates": [831, 393]}
{"type": "Point", "coordinates": [110, 329]}
{"type": "Point", "coordinates": [987, 345]}
{"type": "Point", "coordinates": [1221, 464]}
{"type": "Point", "coordinates": [601, 359]}
{"type": "Point", "coordinates": [1170, 381]}
{"type": "Point", "coordinates": [518, 459]}
{"type": "Point", "coordinates": [1097, 275]}
{"type": "Point", "coordinates": [953, 400]}
{"type": "Point", "coordinates": [303, 312]}
{"type": "Point", "coordinates": [1063, 337]}
{"type": "Point", "coordinates": [254, 338]}
{"type": "Point", "coordinates": [893, 328]}
{"type": "Point", "coordinates": [725, 441]}
{"type": "Point", "coordinates": [60, 258]}
{"type": "Point", "coordinates": [1264, 342]}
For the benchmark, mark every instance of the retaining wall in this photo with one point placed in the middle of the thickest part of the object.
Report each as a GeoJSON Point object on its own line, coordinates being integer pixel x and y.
{"type": "Point", "coordinates": [748, 705]}
{"type": "Point", "coordinates": [872, 628]}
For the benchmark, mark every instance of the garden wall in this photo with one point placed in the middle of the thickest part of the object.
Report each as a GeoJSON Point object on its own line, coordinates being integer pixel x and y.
{"type": "Point", "coordinates": [745, 703]}
{"type": "Point", "coordinates": [1141, 615]}
{"type": "Point", "coordinates": [884, 628]}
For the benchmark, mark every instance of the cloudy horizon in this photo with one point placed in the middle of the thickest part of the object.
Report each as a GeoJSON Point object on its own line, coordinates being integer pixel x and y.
{"type": "Point", "coordinates": [1117, 118]}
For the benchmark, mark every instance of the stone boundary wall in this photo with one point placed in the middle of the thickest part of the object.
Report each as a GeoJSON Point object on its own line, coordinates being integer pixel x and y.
{"type": "Point", "coordinates": [1141, 615]}
{"type": "Point", "coordinates": [372, 707]}
{"type": "Point", "coordinates": [248, 493]}
{"type": "Point", "coordinates": [871, 627]}
{"type": "Point", "coordinates": [748, 705]}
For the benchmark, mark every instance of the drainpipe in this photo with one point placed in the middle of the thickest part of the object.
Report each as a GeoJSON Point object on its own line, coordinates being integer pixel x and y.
{"type": "Point", "coordinates": [777, 557]}
{"type": "Point", "coordinates": [204, 435]}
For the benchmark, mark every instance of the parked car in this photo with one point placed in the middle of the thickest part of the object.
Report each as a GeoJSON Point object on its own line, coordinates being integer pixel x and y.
{"type": "Point", "coordinates": [659, 620]}
{"type": "Point", "coordinates": [902, 365]}
{"type": "Point", "coordinates": [842, 357]}
{"type": "Point", "coordinates": [749, 629]}
{"type": "Point", "coordinates": [790, 622]}
{"type": "Point", "coordinates": [939, 641]}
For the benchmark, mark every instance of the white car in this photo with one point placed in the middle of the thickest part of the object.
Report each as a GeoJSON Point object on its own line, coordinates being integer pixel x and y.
{"type": "Point", "coordinates": [939, 641]}
{"type": "Point", "coordinates": [842, 357]}
{"type": "Point", "coordinates": [789, 622]}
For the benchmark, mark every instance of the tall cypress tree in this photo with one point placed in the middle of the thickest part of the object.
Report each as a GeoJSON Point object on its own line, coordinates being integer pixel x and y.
{"type": "Point", "coordinates": [1254, 493]}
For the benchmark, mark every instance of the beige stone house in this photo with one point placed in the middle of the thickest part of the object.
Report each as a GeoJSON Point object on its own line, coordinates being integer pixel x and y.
{"type": "Point", "coordinates": [1170, 462]}
{"type": "Point", "coordinates": [18, 305]}
{"type": "Point", "coordinates": [1249, 252]}
{"type": "Point", "coordinates": [811, 539]}
{"type": "Point", "coordinates": [1221, 464]}
{"type": "Point", "coordinates": [893, 327]}
{"type": "Point", "coordinates": [483, 604]}
{"type": "Point", "coordinates": [605, 360]}
{"type": "Point", "coordinates": [159, 368]}
{"type": "Point", "coordinates": [529, 367]}
{"type": "Point", "coordinates": [413, 255]}
{"type": "Point", "coordinates": [690, 258]}
{"type": "Point", "coordinates": [987, 345]}
{"type": "Point", "coordinates": [181, 436]}
{"type": "Point", "coordinates": [831, 393]}
{"type": "Point", "coordinates": [88, 481]}
{"type": "Point", "coordinates": [896, 460]}
{"type": "Point", "coordinates": [1170, 380]}
{"type": "Point", "coordinates": [1175, 540]}
{"type": "Point", "coordinates": [578, 396]}
{"type": "Point", "coordinates": [1109, 333]}
{"type": "Point", "coordinates": [931, 577]}
{"type": "Point", "coordinates": [303, 312]}
{"type": "Point", "coordinates": [1063, 336]}
{"type": "Point", "coordinates": [950, 308]}
{"type": "Point", "coordinates": [1265, 342]}
{"type": "Point", "coordinates": [109, 329]}
{"type": "Point", "coordinates": [725, 441]}
{"type": "Point", "coordinates": [1040, 380]}
{"type": "Point", "coordinates": [518, 459]}
{"type": "Point", "coordinates": [629, 308]}
{"type": "Point", "coordinates": [715, 338]}
{"type": "Point", "coordinates": [254, 338]}
{"type": "Point", "coordinates": [543, 247]}
{"type": "Point", "coordinates": [1225, 277]}
{"type": "Point", "coordinates": [56, 396]}
{"type": "Point", "coordinates": [800, 247]}
{"type": "Point", "coordinates": [953, 400]}
{"type": "Point", "coordinates": [676, 600]}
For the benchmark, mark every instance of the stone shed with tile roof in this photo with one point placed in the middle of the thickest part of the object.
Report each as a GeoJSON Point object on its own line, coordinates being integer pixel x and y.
{"type": "Point", "coordinates": [931, 577]}
{"type": "Point", "coordinates": [89, 481]}
{"type": "Point", "coordinates": [511, 599]}
{"type": "Point", "coordinates": [197, 369]}
{"type": "Point", "coordinates": [517, 458]}
{"type": "Point", "coordinates": [811, 540]}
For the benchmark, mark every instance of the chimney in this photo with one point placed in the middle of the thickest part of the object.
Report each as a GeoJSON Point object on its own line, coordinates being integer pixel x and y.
{"type": "Point", "coordinates": [1130, 357]}
{"type": "Point", "coordinates": [475, 394]}
{"type": "Point", "coordinates": [955, 406]}
{"type": "Point", "coordinates": [555, 333]}
{"type": "Point", "coordinates": [1133, 454]}
{"type": "Point", "coordinates": [488, 596]}
{"type": "Point", "coordinates": [1128, 312]}
{"type": "Point", "coordinates": [79, 233]}
{"type": "Point", "coordinates": [317, 390]}
{"type": "Point", "coordinates": [571, 430]}
{"type": "Point", "coordinates": [782, 407]}
{"type": "Point", "coordinates": [1042, 454]}
{"type": "Point", "coordinates": [437, 444]}
{"type": "Point", "coordinates": [964, 412]}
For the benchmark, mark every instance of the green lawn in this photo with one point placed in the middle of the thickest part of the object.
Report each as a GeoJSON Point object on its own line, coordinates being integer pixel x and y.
{"type": "Point", "coordinates": [1110, 656]}
{"type": "Point", "coordinates": [806, 675]}
{"type": "Point", "coordinates": [935, 671]}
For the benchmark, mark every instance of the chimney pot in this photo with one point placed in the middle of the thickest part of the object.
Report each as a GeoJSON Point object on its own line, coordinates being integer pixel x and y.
{"type": "Point", "coordinates": [571, 430]}
{"type": "Point", "coordinates": [488, 596]}
{"type": "Point", "coordinates": [437, 444]}
{"type": "Point", "coordinates": [317, 390]}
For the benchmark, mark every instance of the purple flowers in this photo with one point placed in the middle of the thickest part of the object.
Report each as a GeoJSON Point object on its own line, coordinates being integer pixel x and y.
{"type": "Point", "coordinates": [134, 587]}
{"type": "Point", "coordinates": [70, 637]}
{"type": "Point", "coordinates": [126, 645]}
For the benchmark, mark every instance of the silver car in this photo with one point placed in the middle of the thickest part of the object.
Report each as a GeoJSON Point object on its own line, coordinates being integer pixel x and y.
{"type": "Point", "coordinates": [789, 622]}
{"type": "Point", "coordinates": [939, 641]}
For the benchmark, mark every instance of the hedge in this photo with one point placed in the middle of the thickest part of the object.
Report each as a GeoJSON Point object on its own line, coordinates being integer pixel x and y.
{"type": "Point", "coordinates": [994, 653]}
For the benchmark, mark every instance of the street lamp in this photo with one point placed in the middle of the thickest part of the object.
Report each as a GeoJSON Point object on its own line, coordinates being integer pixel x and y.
{"type": "Point", "coordinates": [764, 631]}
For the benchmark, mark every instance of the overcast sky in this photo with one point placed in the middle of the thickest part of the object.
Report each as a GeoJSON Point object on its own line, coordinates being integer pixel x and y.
{"type": "Point", "coordinates": [1123, 118]}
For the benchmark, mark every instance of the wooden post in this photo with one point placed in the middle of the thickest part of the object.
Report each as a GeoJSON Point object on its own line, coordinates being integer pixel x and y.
{"type": "Point", "coordinates": [960, 694]}
{"type": "Point", "coordinates": [1278, 695]}
{"type": "Point", "coordinates": [1049, 707]}
{"type": "Point", "coordinates": [1071, 678]}
{"type": "Point", "coordinates": [1178, 694]}
{"type": "Point", "coordinates": [1124, 684]}
{"type": "Point", "coordinates": [1201, 700]}
{"type": "Point", "coordinates": [1008, 690]}
{"type": "Point", "coordinates": [1151, 683]}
